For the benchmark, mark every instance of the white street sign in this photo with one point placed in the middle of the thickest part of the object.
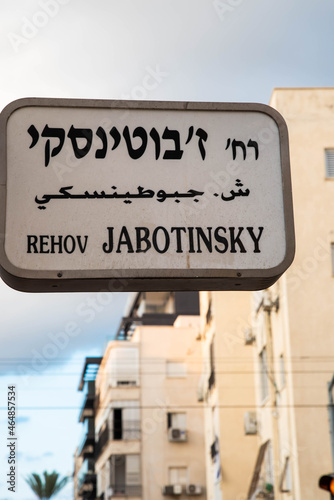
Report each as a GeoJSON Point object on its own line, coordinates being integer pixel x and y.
{"type": "Point", "coordinates": [106, 195]}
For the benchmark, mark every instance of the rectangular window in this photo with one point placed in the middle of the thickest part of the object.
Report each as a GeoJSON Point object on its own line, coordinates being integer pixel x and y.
{"type": "Point", "coordinates": [329, 162]}
{"type": "Point", "coordinates": [124, 474]}
{"type": "Point", "coordinates": [264, 374]}
{"type": "Point", "coordinates": [124, 420]}
{"type": "Point", "coordinates": [117, 424]}
{"type": "Point", "coordinates": [176, 369]}
{"type": "Point", "coordinates": [177, 420]}
{"type": "Point", "coordinates": [132, 470]}
{"type": "Point", "coordinates": [178, 475]}
{"type": "Point", "coordinates": [123, 365]}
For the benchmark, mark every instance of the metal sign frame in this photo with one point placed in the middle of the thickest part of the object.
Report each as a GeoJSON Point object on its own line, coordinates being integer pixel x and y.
{"type": "Point", "coordinates": [144, 279]}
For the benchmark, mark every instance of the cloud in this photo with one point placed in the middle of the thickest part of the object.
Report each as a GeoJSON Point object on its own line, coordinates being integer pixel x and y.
{"type": "Point", "coordinates": [48, 329]}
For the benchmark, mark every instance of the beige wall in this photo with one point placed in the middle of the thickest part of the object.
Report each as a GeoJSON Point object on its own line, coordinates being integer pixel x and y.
{"type": "Point", "coordinates": [158, 394]}
{"type": "Point", "coordinates": [161, 394]}
{"type": "Point", "coordinates": [232, 395]}
{"type": "Point", "coordinates": [303, 327]}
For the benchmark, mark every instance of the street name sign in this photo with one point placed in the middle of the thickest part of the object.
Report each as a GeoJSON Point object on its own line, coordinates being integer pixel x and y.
{"type": "Point", "coordinates": [134, 195]}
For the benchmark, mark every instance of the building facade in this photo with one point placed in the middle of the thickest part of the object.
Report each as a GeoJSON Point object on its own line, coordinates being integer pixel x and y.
{"type": "Point", "coordinates": [227, 389]}
{"type": "Point", "coordinates": [293, 321]}
{"type": "Point", "coordinates": [84, 477]}
{"type": "Point", "coordinates": [149, 431]}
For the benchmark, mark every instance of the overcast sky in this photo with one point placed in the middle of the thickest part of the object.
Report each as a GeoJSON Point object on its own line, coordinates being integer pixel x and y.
{"type": "Point", "coordinates": [183, 50]}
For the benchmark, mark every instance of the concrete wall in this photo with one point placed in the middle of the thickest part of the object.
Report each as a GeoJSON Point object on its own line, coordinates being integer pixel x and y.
{"type": "Point", "coordinates": [302, 328]}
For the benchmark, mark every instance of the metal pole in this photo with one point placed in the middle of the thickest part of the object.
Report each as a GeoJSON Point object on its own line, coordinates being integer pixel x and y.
{"type": "Point", "coordinates": [331, 416]}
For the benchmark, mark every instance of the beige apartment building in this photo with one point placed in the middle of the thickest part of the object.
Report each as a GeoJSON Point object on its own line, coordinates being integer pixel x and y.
{"type": "Point", "coordinates": [149, 435]}
{"type": "Point", "coordinates": [279, 398]}
{"type": "Point", "coordinates": [227, 387]}
{"type": "Point", "coordinates": [293, 321]}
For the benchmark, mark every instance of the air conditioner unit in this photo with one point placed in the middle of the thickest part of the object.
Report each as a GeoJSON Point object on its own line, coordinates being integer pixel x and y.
{"type": "Point", "coordinates": [194, 489]}
{"type": "Point", "coordinates": [250, 423]}
{"type": "Point", "coordinates": [249, 336]}
{"type": "Point", "coordinates": [172, 490]}
{"type": "Point", "coordinates": [177, 435]}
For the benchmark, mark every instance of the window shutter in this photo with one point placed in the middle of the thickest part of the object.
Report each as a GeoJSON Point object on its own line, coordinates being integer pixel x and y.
{"type": "Point", "coordinates": [179, 420]}
{"type": "Point", "coordinates": [176, 369]}
{"type": "Point", "coordinates": [329, 160]}
{"type": "Point", "coordinates": [124, 366]}
{"type": "Point", "coordinates": [131, 422]}
{"type": "Point", "coordinates": [132, 470]}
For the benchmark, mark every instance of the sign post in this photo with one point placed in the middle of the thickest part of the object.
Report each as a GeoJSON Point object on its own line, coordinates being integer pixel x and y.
{"type": "Point", "coordinates": [106, 195]}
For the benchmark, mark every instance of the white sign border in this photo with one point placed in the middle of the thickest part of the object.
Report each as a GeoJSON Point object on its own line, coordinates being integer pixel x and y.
{"type": "Point", "coordinates": [145, 279]}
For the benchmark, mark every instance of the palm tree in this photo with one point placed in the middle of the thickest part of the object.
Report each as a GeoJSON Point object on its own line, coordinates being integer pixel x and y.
{"type": "Point", "coordinates": [51, 485]}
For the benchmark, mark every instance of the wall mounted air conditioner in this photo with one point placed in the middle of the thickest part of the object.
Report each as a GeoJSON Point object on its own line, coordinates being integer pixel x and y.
{"type": "Point", "coordinates": [177, 435]}
{"type": "Point", "coordinates": [172, 490]}
{"type": "Point", "coordinates": [194, 489]}
{"type": "Point", "coordinates": [250, 423]}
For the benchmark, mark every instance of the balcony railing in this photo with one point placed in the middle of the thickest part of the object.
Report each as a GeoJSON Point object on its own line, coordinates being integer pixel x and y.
{"type": "Point", "coordinates": [86, 474]}
{"type": "Point", "coordinates": [122, 430]}
{"type": "Point", "coordinates": [87, 402]}
{"type": "Point", "coordinates": [87, 438]}
{"type": "Point", "coordinates": [126, 490]}
{"type": "Point", "coordinates": [126, 430]}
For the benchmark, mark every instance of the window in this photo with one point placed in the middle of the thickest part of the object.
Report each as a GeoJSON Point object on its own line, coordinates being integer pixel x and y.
{"type": "Point", "coordinates": [329, 163]}
{"type": "Point", "coordinates": [123, 365]}
{"type": "Point", "coordinates": [124, 420]}
{"type": "Point", "coordinates": [176, 369]}
{"type": "Point", "coordinates": [117, 424]}
{"type": "Point", "coordinates": [264, 374]}
{"type": "Point", "coordinates": [125, 475]}
{"type": "Point", "coordinates": [177, 420]}
{"type": "Point", "coordinates": [178, 475]}
{"type": "Point", "coordinates": [132, 469]}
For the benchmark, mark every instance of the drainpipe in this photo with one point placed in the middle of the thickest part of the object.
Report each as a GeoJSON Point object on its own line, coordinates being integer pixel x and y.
{"type": "Point", "coordinates": [268, 305]}
{"type": "Point", "coordinates": [331, 415]}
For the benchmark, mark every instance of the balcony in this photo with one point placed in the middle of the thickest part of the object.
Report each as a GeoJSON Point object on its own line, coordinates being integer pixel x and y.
{"type": "Point", "coordinates": [127, 490]}
{"type": "Point", "coordinates": [86, 487]}
{"type": "Point", "coordinates": [87, 404]}
{"type": "Point", "coordinates": [87, 439]}
{"type": "Point", "coordinates": [121, 430]}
